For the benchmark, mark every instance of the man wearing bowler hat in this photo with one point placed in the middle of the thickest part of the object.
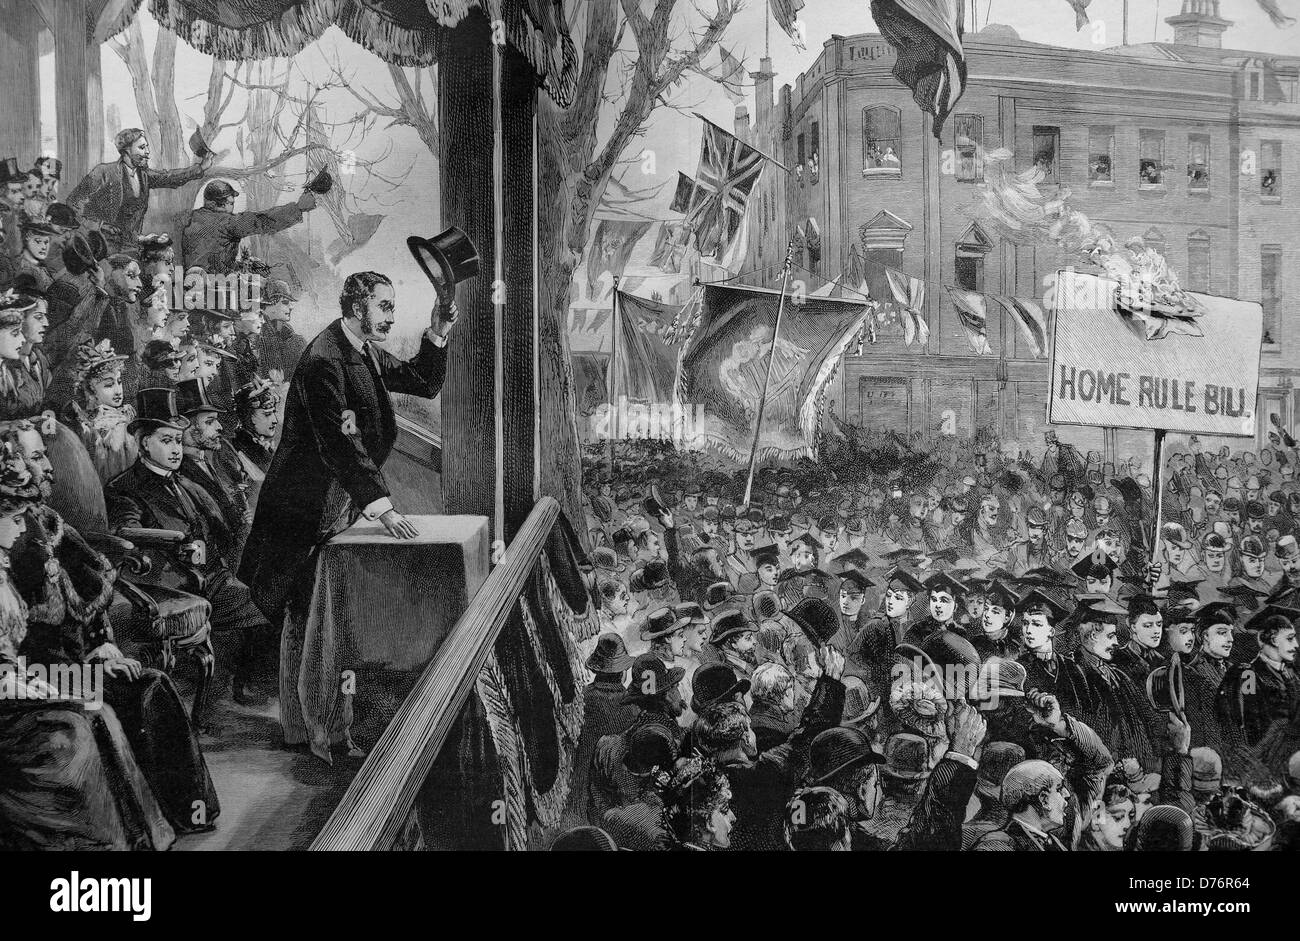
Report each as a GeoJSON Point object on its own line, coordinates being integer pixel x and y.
{"type": "Point", "coordinates": [213, 232]}
{"type": "Point", "coordinates": [604, 712]}
{"type": "Point", "coordinates": [115, 196]}
{"type": "Point", "coordinates": [339, 427]}
{"type": "Point", "coordinates": [151, 495]}
{"type": "Point", "coordinates": [279, 346]}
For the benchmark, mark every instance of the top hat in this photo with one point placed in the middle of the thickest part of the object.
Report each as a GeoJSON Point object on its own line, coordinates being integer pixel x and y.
{"type": "Point", "coordinates": [654, 503]}
{"type": "Point", "coordinates": [156, 408]}
{"type": "Point", "coordinates": [838, 749]}
{"type": "Point", "coordinates": [198, 146]}
{"type": "Point", "coordinates": [78, 256]}
{"type": "Point", "coordinates": [818, 620]}
{"type": "Point", "coordinates": [321, 183]}
{"type": "Point", "coordinates": [713, 684]}
{"type": "Point", "coordinates": [454, 257]}
{"type": "Point", "coordinates": [1165, 686]}
{"type": "Point", "coordinates": [610, 655]}
{"type": "Point", "coordinates": [9, 172]}
{"type": "Point", "coordinates": [192, 397]}
{"type": "Point", "coordinates": [98, 244]}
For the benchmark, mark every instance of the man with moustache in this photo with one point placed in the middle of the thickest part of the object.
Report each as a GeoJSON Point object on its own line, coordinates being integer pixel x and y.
{"type": "Point", "coordinates": [1265, 691]}
{"type": "Point", "coordinates": [339, 427]}
{"type": "Point", "coordinates": [116, 195]}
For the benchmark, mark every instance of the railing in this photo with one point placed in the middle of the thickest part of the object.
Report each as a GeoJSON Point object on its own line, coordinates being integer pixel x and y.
{"type": "Point", "coordinates": [381, 797]}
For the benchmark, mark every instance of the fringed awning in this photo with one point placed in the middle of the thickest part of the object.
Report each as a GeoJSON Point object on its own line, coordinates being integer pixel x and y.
{"type": "Point", "coordinates": [402, 32]}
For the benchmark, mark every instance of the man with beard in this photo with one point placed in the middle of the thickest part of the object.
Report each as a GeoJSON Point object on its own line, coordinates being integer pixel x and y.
{"type": "Point", "coordinates": [1047, 670]}
{"type": "Point", "coordinates": [1146, 629]}
{"type": "Point", "coordinates": [736, 641]}
{"type": "Point", "coordinates": [115, 316]}
{"type": "Point", "coordinates": [655, 690]}
{"type": "Point", "coordinates": [116, 195]}
{"type": "Point", "coordinates": [993, 638]}
{"type": "Point", "coordinates": [339, 428]}
{"type": "Point", "coordinates": [987, 535]}
{"type": "Point", "coordinates": [1119, 711]}
{"type": "Point", "coordinates": [1287, 589]}
{"type": "Point", "coordinates": [1076, 545]}
{"type": "Point", "coordinates": [211, 461]}
{"type": "Point", "coordinates": [213, 232]}
{"type": "Point", "coordinates": [68, 587]}
{"type": "Point", "coordinates": [883, 633]}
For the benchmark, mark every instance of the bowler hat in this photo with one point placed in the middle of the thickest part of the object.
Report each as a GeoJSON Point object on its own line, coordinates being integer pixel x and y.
{"type": "Point", "coordinates": [818, 620]}
{"type": "Point", "coordinates": [610, 655]}
{"type": "Point", "coordinates": [713, 684]}
{"type": "Point", "coordinates": [454, 257]}
{"type": "Point", "coordinates": [1286, 547]}
{"type": "Point", "coordinates": [651, 679]}
{"type": "Point", "coordinates": [1000, 678]}
{"type": "Point", "coordinates": [192, 397]}
{"type": "Point", "coordinates": [952, 656]}
{"type": "Point", "coordinates": [839, 749]}
{"type": "Point", "coordinates": [997, 759]}
{"type": "Point", "coordinates": [650, 747]}
{"type": "Point", "coordinates": [717, 595]}
{"type": "Point", "coordinates": [907, 757]}
{"type": "Point", "coordinates": [651, 576]}
{"type": "Point", "coordinates": [156, 408]}
{"type": "Point", "coordinates": [64, 216]}
{"type": "Point", "coordinates": [729, 623]}
{"type": "Point", "coordinates": [661, 623]}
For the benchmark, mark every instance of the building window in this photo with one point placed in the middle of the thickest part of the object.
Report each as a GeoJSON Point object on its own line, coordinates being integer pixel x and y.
{"type": "Point", "coordinates": [1288, 83]}
{"type": "Point", "coordinates": [882, 139]}
{"type": "Point", "coordinates": [1047, 146]}
{"type": "Point", "coordinates": [801, 155]}
{"type": "Point", "coordinates": [968, 138]}
{"type": "Point", "coordinates": [1101, 155]}
{"type": "Point", "coordinates": [1198, 261]}
{"type": "Point", "coordinates": [1270, 168]}
{"type": "Point", "coordinates": [1151, 158]}
{"type": "Point", "coordinates": [973, 246]}
{"type": "Point", "coordinates": [1270, 289]}
{"type": "Point", "coordinates": [1254, 86]}
{"type": "Point", "coordinates": [1198, 162]}
{"type": "Point", "coordinates": [814, 157]}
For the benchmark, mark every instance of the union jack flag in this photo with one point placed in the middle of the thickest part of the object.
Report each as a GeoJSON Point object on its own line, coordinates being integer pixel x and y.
{"type": "Point", "coordinates": [728, 170]}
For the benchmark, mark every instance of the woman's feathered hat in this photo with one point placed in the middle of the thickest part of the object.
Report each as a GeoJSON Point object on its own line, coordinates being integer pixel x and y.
{"type": "Point", "coordinates": [92, 360]}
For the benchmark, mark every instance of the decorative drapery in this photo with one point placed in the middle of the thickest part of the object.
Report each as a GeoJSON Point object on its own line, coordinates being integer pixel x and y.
{"type": "Point", "coordinates": [403, 32]}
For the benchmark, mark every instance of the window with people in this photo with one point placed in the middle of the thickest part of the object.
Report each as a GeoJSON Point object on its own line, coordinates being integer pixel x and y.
{"type": "Point", "coordinates": [882, 141]}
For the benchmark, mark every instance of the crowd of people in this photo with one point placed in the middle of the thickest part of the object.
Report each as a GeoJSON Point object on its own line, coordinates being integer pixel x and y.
{"type": "Point", "coordinates": [135, 431]}
{"type": "Point", "coordinates": [944, 649]}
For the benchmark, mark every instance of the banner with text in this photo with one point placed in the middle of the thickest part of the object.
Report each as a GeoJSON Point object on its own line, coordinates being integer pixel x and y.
{"type": "Point", "coordinates": [1105, 370]}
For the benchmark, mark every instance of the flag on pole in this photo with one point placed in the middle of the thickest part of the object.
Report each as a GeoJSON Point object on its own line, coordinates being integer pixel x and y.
{"type": "Point", "coordinates": [733, 75]}
{"type": "Point", "coordinates": [785, 12]}
{"type": "Point", "coordinates": [725, 363]}
{"type": "Point", "coordinates": [728, 170]}
{"type": "Point", "coordinates": [647, 356]}
{"type": "Point", "coordinates": [685, 195]}
{"type": "Point", "coordinates": [1028, 315]}
{"type": "Point", "coordinates": [974, 318]}
{"type": "Point", "coordinates": [610, 250]}
{"type": "Point", "coordinates": [926, 34]}
{"type": "Point", "coordinates": [909, 295]}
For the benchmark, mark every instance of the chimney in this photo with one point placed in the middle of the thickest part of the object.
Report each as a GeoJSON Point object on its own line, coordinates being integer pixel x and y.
{"type": "Point", "coordinates": [1199, 24]}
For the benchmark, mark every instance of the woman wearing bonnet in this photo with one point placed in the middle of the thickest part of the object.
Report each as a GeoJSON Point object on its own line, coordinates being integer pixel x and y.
{"type": "Point", "coordinates": [68, 778]}
{"type": "Point", "coordinates": [98, 413]}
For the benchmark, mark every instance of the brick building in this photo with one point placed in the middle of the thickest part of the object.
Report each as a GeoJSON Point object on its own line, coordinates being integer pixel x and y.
{"type": "Point", "coordinates": [1192, 146]}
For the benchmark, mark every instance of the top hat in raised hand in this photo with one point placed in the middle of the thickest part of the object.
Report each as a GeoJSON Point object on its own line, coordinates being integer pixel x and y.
{"type": "Point", "coordinates": [446, 259]}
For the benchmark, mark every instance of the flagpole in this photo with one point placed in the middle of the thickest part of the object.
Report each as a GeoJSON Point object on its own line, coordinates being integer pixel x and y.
{"type": "Point", "coordinates": [613, 379]}
{"type": "Point", "coordinates": [767, 378]}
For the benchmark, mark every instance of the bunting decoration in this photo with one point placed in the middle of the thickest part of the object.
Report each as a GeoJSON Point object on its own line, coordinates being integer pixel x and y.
{"type": "Point", "coordinates": [610, 250]}
{"type": "Point", "coordinates": [1028, 316]}
{"type": "Point", "coordinates": [909, 295]}
{"type": "Point", "coordinates": [725, 362]}
{"type": "Point", "coordinates": [685, 196]}
{"type": "Point", "coordinates": [733, 76]}
{"type": "Point", "coordinates": [974, 318]}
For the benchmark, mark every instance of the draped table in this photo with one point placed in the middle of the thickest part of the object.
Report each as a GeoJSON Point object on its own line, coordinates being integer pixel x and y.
{"type": "Point", "coordinates": [378, 603]}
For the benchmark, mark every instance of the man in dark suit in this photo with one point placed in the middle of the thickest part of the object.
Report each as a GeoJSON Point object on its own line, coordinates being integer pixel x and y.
{"type": "Point", "coordinates": [213, 232]}
{"type": "Point", "coordinates": [152, 495]}
{"type": "Point", "coordinates": [116, 195]}
{"type": "Point", "coordinates": [339, 428]}
{"type": "Point", "coordinates": [212, 462]}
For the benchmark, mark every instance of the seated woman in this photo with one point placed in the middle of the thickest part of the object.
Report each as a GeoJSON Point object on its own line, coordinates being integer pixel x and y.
{"type": "Point", "coordinates": [68, 778]}
{"type": "Point", "coordinates": [98, 413]}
